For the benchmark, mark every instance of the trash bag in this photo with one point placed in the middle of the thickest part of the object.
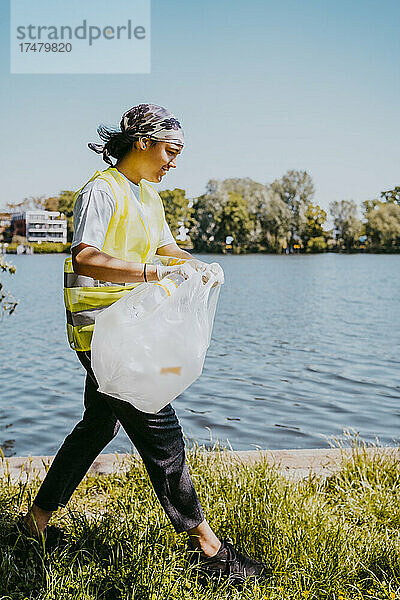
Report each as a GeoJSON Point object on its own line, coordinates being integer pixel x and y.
{"type": "Point", "coordinates": [150, 345]}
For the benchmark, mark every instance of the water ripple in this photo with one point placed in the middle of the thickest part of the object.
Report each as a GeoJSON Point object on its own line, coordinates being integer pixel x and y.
{"type": "Point", "coordinates": [295, 357]}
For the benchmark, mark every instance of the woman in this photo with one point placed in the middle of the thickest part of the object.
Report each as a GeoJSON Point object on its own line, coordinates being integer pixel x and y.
{"type": "Point", "coordinates": [119, 227]}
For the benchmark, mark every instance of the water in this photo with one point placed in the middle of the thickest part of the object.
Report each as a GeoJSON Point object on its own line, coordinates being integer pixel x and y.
{"type": "Point", "coordinates": [303, 347]}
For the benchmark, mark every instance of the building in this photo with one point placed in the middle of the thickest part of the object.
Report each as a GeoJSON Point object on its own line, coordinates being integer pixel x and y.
{"type": "Point", "coordinates": [40, 226]}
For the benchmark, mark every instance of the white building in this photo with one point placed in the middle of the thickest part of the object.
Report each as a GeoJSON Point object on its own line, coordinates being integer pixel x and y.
{"type": "Point", "coordinates": [40, 226]}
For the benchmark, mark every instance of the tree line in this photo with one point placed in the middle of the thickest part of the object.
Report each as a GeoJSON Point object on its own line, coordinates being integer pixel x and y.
{"type": "Point", "coordinates": [241, 216]}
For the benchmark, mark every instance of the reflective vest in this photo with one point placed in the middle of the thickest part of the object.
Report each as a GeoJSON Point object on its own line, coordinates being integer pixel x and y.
{"type": "Point", "coordinates": [128, 237]}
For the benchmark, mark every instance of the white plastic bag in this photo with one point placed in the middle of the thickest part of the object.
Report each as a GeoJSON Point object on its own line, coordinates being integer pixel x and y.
{"type": "Point", "coordinates": [148, 347]}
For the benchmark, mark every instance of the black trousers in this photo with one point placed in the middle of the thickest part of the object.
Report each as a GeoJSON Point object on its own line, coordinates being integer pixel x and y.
{"type": "Point", "coordinates": [157, 437]}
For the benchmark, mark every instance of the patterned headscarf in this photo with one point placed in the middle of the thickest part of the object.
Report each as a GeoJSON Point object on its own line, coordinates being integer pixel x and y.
{"type": "Point", "coordinates": [147, 120]}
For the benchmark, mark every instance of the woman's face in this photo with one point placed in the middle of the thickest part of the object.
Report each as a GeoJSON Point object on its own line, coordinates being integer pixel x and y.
{"type": "Point", "coordinates": [157, 159]}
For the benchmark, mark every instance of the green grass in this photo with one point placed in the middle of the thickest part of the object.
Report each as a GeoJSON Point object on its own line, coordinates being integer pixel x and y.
{"type": "Point", "coordinates": [337, 538]}
{"type": "Point", "coordinates": [42, 248]}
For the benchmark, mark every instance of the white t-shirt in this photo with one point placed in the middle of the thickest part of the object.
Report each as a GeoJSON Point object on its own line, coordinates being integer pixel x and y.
{"type": "Point", "coordinates": [94, 208]}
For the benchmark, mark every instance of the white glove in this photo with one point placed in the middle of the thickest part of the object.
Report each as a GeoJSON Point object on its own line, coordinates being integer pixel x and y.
{"type": "Point", "coordinates": [206, 269]}
{"type": "Point", "coordinates": [217, 271]}
{"type": "Point", "coordinates": [198, 265]}
{"type": "Point", "coordinates": [190, 266]}
{"type": "Point", "coordinates": [184, 269]}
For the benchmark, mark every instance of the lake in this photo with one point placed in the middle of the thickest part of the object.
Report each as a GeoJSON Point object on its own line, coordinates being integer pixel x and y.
{"type": "Point", "coordinates": [303, 348]}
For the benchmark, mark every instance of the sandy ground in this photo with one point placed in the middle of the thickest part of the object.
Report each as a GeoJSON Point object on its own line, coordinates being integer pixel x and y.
{"type": "Point", "coordinates": [295, 464]}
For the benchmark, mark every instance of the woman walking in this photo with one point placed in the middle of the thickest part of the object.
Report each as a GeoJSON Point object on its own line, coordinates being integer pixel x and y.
{"type": "Point", "coordinates": [119, 228]}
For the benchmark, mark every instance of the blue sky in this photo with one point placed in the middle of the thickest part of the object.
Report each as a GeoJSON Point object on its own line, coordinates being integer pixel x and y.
{"type": "Point", "coordinates": [259, 86]}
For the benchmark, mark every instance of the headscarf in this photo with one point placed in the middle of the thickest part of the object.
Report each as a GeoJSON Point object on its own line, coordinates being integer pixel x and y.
{"type": "Point", "coordinates": [147, 120]}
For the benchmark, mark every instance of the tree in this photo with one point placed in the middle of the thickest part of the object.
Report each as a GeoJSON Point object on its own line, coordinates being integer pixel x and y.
{"type": "Point", "coordinates": [347, 225]}
{"type": "Point", "coordinates": [223, 211]}
{"type": "Point", "coordinates": [275, 220]}
{"type": "Point", "coordinates": [204, 218]}
{"type": "Point", "coordinates": [234, 220]}
{"type": "Point", "coordinates": [296, 189]}
{"type": "Point", "coordinates": [392, 196]}
{"type": "Point", "coordinates": [31, 203]}
{"type": "Point", "coordinates": [256, 196]}
{"type": "Point", "coordinates": [66, 206]}
{"type": "Point", "coordinates": [7, 302]}
{"type": "Point", "coordinates": [177, 210]}
{"type": "Point", "coordinates": [315, 217]}
{"type": "Point", "coordinates": [368, 205]}
{"type": "Point", "coordinates": [51, 203]}
{"type": "Point", "coordinates": [383, 227]}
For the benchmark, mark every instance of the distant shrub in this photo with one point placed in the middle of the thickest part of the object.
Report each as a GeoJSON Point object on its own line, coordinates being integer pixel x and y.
{"type": "Point", "coordinates": [50, 248]}
{"type": "Point", "coordinates": [316, 244]}
{"type": "Point", "coordinates": [43, 248]}
{"type": "Point", "coordinates": [11, 249]}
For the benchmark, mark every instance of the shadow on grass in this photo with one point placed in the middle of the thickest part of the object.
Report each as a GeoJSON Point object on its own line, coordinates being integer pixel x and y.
{"type": "Point", "coordinates": [94, 548]}
{"type": "Point", "coordinates": [22, 563]}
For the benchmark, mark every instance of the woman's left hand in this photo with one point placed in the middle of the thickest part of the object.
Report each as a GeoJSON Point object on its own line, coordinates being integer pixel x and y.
{"type": "Point", "coordinates": [207, 268]}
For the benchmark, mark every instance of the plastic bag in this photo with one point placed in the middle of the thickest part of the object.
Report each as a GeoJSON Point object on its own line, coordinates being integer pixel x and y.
{"type": "Point", "coordinates": [150, 345]}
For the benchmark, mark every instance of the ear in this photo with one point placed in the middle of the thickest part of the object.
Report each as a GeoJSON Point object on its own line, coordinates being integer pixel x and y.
{"type": "Point", "coordinates": [143, 143]}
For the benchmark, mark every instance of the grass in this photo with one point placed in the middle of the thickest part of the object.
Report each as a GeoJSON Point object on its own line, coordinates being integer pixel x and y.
{"type": "Point", "coordinates": [42, 248]}
{"type": "Point", "coordinates": [336, 538]}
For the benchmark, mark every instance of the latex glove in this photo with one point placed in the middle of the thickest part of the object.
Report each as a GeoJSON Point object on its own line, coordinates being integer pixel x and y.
{"type": "Point", "coordinates": [198, 265]}
{"type": "Point", "coordinates": [190, 266]}
{"type": "Point", "coordinates": [217, 271]}
{"type": "Point", "coordinates": [184, 269]}
{"type": "Point", "coordinates": [206, 268]}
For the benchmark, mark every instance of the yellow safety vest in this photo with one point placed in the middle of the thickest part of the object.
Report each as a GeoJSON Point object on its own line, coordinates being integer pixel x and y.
{"type": "Point", "coordinates": [128, 237]}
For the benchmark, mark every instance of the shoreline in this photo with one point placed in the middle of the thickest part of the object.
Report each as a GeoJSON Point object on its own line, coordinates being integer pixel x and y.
{"type": "Point", "coordinates": [294, 464]}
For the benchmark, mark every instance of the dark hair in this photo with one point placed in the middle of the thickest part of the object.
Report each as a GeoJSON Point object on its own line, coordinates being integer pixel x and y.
{"type": "Point", "coordinates": [117, 142]}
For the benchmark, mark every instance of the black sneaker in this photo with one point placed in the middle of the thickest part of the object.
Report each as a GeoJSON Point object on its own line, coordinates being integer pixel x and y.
{"type": "Point", "coordinates": [229, 563]}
